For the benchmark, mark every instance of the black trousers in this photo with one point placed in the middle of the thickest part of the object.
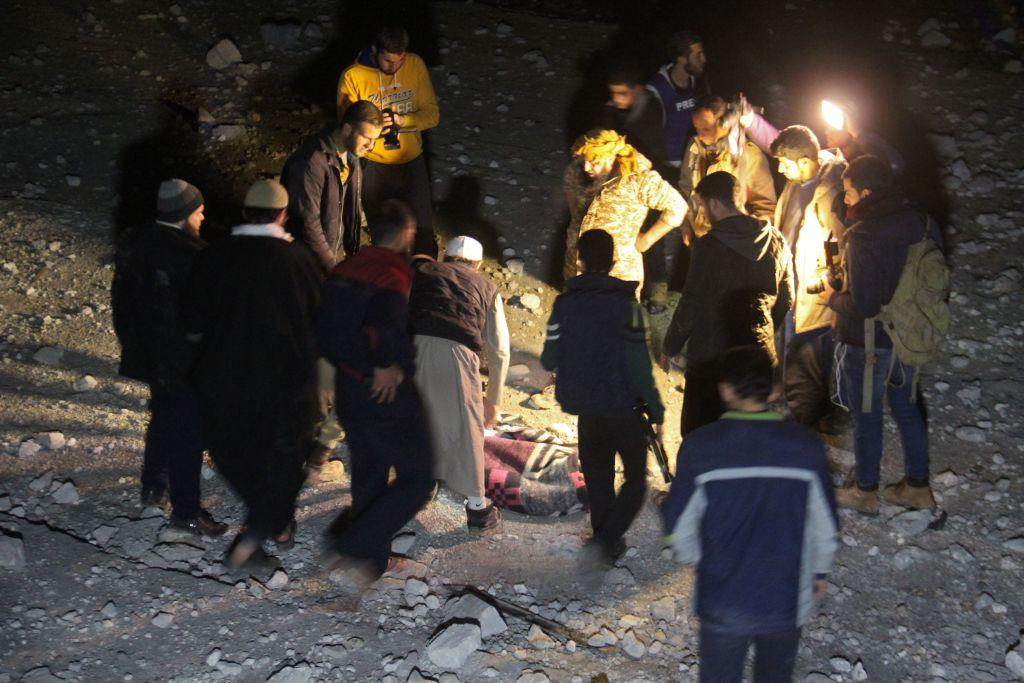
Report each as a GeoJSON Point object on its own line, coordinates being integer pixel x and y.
{"type": "Point", "coordinates": [379, 510]}
{"type": "Point", "coordinates": [173, 457]}
{"type": "Point", "coordinates": [723, 652]}
{"type": "Point", "coordinates": [701, 403]}
{"type": "Point", "coordinates": [408, 182]}
{"type": "Point", "coordinates": [600, 438]}
{"type": "Point", "coordinates": [263, 460]}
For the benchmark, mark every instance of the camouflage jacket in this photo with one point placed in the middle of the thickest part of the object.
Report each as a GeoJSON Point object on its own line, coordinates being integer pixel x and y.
{"type": "Point", "coordinates": [620, 208]}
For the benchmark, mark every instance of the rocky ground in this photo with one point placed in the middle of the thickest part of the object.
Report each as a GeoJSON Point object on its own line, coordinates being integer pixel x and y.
{"type": "Point", "coordinates": [93, 587]}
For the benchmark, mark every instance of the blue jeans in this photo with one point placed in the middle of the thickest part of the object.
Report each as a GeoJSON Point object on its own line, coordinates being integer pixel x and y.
{"type": "Point", "coordinates": [867, 426]}
{"type": "Point", "coordinates": [723, 652]}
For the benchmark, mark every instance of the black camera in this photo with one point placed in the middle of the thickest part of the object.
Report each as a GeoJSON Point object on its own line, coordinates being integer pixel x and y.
{"type": "Point", "coordinates": [390, 136]}
{"type": "Point", "coordinates": [832, 273]}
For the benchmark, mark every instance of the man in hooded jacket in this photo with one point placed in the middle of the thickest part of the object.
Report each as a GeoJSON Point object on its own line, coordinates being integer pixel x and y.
{"type": "Point", "coordinates": [737, 293]}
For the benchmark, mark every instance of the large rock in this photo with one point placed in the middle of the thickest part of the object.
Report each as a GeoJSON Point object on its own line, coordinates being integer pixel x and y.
{"type": "Point", "coordinates": [452, 646]}
{"type": "Point", "coordinates": [51, 441]}
{"type": "Point", "coordinates": [28, 448]}
{"type": "Point", "coordinates": [67, 494]}
{"type": "Point", "coordinates": [48, 355]}
{"type": "Point", "coordinates": [473, 608]}
{"type": "Point", "coordinates": [223, 54]}
{"type": "Point", "coordinates": [12, 551]}
{"type": "Point", "coordinates": [293, 673]}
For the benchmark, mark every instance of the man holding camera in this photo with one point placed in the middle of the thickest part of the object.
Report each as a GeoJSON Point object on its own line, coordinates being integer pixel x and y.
{"type": "Point", "coordinates": [738, 291]}
{"type": "Point", "coordinates": [398, 82]}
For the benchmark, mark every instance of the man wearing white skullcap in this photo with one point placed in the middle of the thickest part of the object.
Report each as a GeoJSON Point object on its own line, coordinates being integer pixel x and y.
{"type": "Point", "coordinates": [457, 314]}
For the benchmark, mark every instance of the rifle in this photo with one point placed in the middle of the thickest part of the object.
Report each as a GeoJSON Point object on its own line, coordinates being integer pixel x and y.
{"type": "Point", "coordinates": [643, 411]}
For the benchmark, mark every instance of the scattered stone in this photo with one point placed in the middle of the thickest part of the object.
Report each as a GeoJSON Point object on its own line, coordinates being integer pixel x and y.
{"type": "Point", "coordinates": [281, 34]}
{"type": "Point", "coordinates": [162, 620]}
{"type": "Point", "coordinates": [28, 448]}
{"type": "Point", "coordinates": [67, 494]}
{"type": "Point", "coordinates": [223, 54]}
{"type": "Point", "coordinates": [452, 646]}
{"type": "Point", "coordinates": [103, 534]}
{"type": "Point", "coordinates": [946, 479]}
{"type": "Point", "coordinates": [42, 483]}
{"type": "Point", "coordinates": [109, 610]}
{"type": "Point", "coordinates": [534, 676]}
{"type": "Point", "coordinates": [816, 677]}
{"type": "Point", "coordinates": [912, 522]}
{"type": "Point", "coordinates": [1014, 66]}
{"type": "Point", "coordinates": [473, 608]}
{"type": "Point", "coordinates": [85, 383]}
{"type": "Point", "coordinates": [416, 676]}
{"type": "Point", "coordinates": [664, 609]}
{"type": "Point", "coordinates": [1015, 544]}
{"type": "Point", "coordinates": [518, 372]}
{"type": "Point", "coordinates": [403, 543]}
{"type": "Point", "coordinates": [620, 576]}
{"type": "Point", "coordinates": [228, 132]}
{"type": "Point", "coordinates": [530, 302]}
{"type": "Point", "coordinates": [73, 180]}
{"type": "Point", "coordinates": [278, 580]}
{"type": "Point", "coordinates": [333, 471]}
{"type": "Point", "coordinates": [51, 441]}
{"type": "Point", "coordinates": [12, 551]}
{"type": "Point", "coordinates": [229, 668]}
{"type": "Point", "coordinates": [841, 664]}
{"type": "Point", "coordinates": [41, 674]}
{"type": "Point", "coordinates": [935, 39]}
{"type": "Point", "coordinates": [970, 434]}
{"type": "Point", "coordinates": [294, 673]}
{"type": "Point", "coordinates": [48, 355]}
{"type": "Point", "coordinates": [540, 640]}
{"type": "Point", "coordinates": [1015, 660]}
{"type": "Point", "coordinates": [515, 265]}
{"type": "Point", "coordinates": [415, 587]}
{"type": "Point", "coordinates": [632, 645]}
{"type": "Point", "coordinates": [213, 657]}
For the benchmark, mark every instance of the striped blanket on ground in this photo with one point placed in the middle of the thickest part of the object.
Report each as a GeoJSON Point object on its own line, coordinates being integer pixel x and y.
{"type": "Point", "coordinates": [524, 471]}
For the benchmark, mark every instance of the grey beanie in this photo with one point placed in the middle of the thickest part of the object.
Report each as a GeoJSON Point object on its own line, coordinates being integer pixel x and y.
{"type": "Point", "coordinates": [177, 200]}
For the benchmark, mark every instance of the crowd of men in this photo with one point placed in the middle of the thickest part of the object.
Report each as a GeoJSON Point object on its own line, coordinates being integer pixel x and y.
{"type": "Point", "coordinates": [329, 313]}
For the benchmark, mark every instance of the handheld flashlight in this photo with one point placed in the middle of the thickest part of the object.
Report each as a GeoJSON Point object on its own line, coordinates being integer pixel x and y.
{"type": "Point", "coordinates": [833, 115]}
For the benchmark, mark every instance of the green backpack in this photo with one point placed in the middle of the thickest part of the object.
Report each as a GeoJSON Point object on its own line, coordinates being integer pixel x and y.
{"type": "Point", "coordinates": [917, 317]}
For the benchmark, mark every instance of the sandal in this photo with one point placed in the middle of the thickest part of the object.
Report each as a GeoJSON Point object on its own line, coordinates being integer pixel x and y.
{"type": "Point", "coordinates": [289, 541]}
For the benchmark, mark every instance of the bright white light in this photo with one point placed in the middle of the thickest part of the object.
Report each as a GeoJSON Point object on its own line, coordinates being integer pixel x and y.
{"type": "Point", "coordinates": [834, 116]}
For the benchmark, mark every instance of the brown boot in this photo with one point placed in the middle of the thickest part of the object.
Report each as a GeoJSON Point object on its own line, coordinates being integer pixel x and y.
{"type": "Point", "coordinates": [854, 497]}
{"type": "Point", "coordinates": [913, 497]}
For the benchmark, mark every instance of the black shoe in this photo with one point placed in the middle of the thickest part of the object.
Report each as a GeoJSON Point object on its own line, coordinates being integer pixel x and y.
{"type": "Point", "coordinates": [202, 525]}
{"type": "Point", "coordinates": [258, 564]}
{"type": "Point", "coordinates": [484, 521]}
{"type": "Point", "coordinates": [151, 497]}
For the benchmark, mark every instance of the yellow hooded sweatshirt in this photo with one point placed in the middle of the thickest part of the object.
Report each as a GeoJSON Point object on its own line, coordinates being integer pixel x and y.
{"type": "Point", "coordinates": [408, 92]}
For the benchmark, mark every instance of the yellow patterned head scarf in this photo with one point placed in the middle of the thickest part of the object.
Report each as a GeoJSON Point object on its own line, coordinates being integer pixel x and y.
{"type": "Point", "coordinates": [605, 143]}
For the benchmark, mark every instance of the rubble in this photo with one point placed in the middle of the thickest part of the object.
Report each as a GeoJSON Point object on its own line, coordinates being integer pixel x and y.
{"type": "Point", "coordinates": [470, 607]}
{"type": "Point", "coordinates": [49, 355]}
{"type": "Point", "coordinates": [454, 644]}
{"type": "Point", "coordinates": [223, 54]}
{"type": "Point", "coordinates": [12, 551]}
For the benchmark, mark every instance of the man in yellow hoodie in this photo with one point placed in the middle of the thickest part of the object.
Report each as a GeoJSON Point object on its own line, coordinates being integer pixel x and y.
{"type": "Point", "coordinates": [398, 82]}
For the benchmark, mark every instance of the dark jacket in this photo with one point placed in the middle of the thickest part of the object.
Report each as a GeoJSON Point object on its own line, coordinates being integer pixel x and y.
{"type": "Point", "coordinates": [450, 300]}
{"type": "Point", "coordinates": [597, 341]}
{"type": "Point", "coordinates": [752, 507]}
{"type": "Point", "coordinates": [151, 272]}
{"type": "Point", "coordinates": [737, 292]}
{"type": "Point", "coordinates": [643, 124]}
{"type": "Point", "coordinates": [252, 299]}
{"type": "Point", "coordinates": [884, 226]}
{"type": "Point", "coordinates": [322, 212]}
{"type": "Point", "coordinates": [364, 324]}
